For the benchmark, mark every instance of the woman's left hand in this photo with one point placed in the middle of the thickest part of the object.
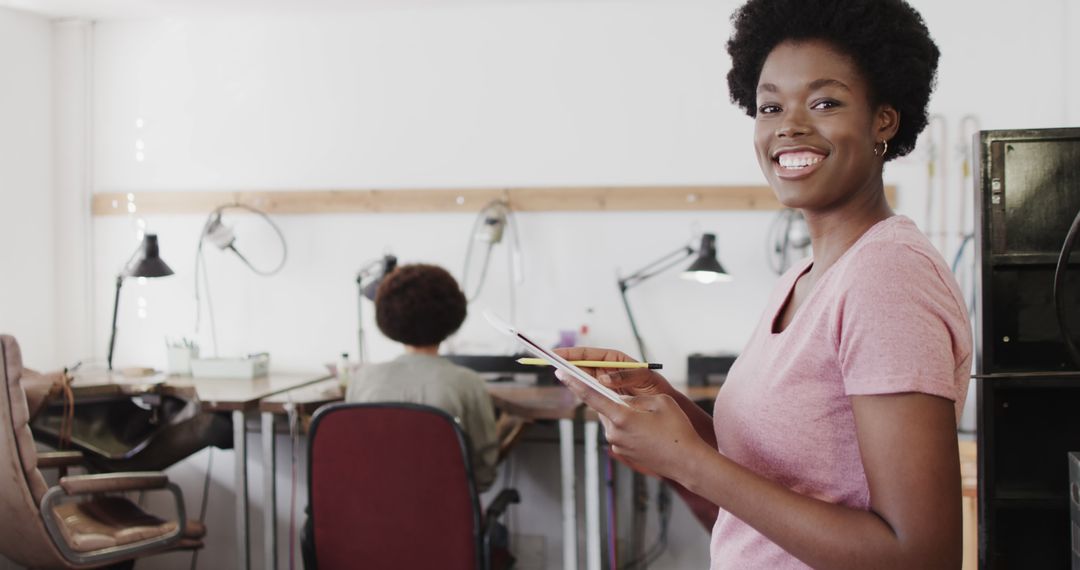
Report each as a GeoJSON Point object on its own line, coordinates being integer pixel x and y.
{"type": "Point", "coordinates": [653, 434]}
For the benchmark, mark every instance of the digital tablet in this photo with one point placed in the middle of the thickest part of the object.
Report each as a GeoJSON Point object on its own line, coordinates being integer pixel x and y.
{"type": "Point", "coordinates": [555, 360]}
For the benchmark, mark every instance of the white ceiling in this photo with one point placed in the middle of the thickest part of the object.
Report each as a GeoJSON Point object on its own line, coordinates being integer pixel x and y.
{"type": "Point", "coordinates": [139, 9]}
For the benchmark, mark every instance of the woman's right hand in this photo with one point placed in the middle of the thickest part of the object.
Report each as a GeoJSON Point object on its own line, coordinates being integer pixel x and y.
{"type": "Point", "coordinates": [626, 381]}
{"type": "Point", "coordinates": [652, 432]}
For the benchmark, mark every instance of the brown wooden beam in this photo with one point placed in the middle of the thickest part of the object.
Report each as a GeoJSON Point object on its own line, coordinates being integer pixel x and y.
{"type": "Point", "coordinates": [591, 198]}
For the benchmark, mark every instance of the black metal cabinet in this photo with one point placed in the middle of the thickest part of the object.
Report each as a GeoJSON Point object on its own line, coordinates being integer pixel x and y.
{"type": "Point", "coordinates": [1027, 195]}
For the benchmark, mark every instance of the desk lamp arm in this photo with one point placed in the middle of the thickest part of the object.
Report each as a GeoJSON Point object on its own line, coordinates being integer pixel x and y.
{"type": "Point", "coordinates": [666, 262]}
{"type": "Point", "coordinates": [116, 307]}
{"type": "Point", "coordinates": [381, 267]}
{"type": "Point", "coordinates": [636, 278]}
{"type": "Point", "coordinates": [361, 278]}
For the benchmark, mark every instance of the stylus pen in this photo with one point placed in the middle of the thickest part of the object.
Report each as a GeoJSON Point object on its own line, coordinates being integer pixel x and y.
{"type": "Point", "coordinates": [594, 363]}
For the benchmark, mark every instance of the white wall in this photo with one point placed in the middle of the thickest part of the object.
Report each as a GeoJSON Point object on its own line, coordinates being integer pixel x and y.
{"type": "Point", "coordinates": [1072, 58]}
{"type": "Point", "coordinates": [72, 184]}
{"type": "Point", "coordinates": [482, 95]}
{"type": "Point", "coordinates": [26, 198]}
{"type": "Point", "coordinates": [477, 96]}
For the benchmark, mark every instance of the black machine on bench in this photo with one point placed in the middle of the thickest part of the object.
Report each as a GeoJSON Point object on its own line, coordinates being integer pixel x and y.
{"type": "Point", "coordinates": [708, 369]}
{"type": "Point", "coordinates": [135, 433]}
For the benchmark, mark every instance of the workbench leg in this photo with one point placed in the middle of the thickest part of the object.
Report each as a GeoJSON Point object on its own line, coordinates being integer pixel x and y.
{"type": "Point", "coordinates": [240, 452]}
{"type": "Point", "coordinates": [269, 492]}
{"type": "Point", "coordinates": [592, 496]}
{"type": "Point", "coordinates": [569, 504]}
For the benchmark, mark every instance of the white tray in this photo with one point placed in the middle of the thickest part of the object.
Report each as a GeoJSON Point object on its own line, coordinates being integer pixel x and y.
{"type": "Point", "coordinates": [255, 366]}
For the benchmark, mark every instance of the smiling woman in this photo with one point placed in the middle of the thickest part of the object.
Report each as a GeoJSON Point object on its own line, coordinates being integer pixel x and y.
{"type": "Point", "coordinates": [833, 441]}
{"type": "Point", "coordinates": [814, 112]}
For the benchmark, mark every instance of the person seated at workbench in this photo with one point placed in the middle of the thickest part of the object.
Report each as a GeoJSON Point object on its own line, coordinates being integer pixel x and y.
{"type": "Point", "coordinates": [420, 306]}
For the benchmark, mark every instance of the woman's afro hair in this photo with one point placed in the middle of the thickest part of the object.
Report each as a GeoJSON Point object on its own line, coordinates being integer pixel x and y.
{"type": "Point", "coordinates": [887, 40]}
{"type": "Point", "coordinates": [419, 305]}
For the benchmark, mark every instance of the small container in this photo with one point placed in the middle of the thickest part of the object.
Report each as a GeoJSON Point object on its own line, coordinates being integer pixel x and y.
{"type": "Point", "coordinates": [179, 359]}
{"type": "Point", "coordinates": [343, 370]}
{"type": "Point", "coordinates": [567, 339]}
{"type": "Point", "coordinates": [248, 368]}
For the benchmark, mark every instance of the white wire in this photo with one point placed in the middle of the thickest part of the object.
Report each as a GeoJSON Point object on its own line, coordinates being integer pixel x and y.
{"type": "Point", "coordinates": [514, 257]}
{"type": "Point", "coordinates": [512, 289]}
{"type": "Point", "coordinates": [779, 245]}
{"type": "Point", "coordinates": [483, 274]}
{"type": "Point", "coordinates": [200, 264]}
{"type": "Point", "coordinates": [274, 226]}
{"type": "Point", "coordinates": [515, 260]}
{"type": "Point", "coordinates": [517, 265]}
{"type": "Point", "coordinates": [468, 257]}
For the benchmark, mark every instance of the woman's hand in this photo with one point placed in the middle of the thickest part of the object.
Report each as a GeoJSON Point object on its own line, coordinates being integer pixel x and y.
{"type": "Point", "coordinates": [652, 435]}
{"type": "Point", "coordinates": [626, 381]}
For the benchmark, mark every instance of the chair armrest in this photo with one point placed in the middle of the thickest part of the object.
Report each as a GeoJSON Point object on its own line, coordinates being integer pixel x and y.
{"type": "Point", "coordinates": [113, 482]}
{"type": "Point", "coordinates": [53, 459]}
{"type": "Point", "coordinates": [495, 510]}
{"type": "Point", "coordinates": [498, 506]}
{"type": "Point", "coordinates": [103, 483]}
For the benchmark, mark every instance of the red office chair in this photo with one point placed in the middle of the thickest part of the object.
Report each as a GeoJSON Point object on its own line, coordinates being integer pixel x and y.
{"type": "Point", "coordinates": [390, 485]}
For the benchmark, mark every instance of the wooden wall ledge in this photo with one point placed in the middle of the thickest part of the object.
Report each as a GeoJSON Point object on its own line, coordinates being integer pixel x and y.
{"type": "Point", "coordinates": [597, 198]}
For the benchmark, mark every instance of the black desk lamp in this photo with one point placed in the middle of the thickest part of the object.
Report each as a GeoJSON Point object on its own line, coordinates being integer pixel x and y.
{"type": "Point", "coordinates": [705, 269]}
{"type": "Point", "coordinates": [149, 265]}
{"type": "Point", "coordinates": [368, 280]}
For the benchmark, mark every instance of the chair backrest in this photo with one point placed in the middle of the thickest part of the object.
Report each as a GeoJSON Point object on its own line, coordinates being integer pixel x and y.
{"type": "Point", "coordinates": [23, 537]}
{"type": "Point", "coordinates": [391, 486]}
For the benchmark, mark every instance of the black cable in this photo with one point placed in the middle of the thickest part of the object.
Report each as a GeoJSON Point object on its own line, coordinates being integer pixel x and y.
{"type": "Point", "coordinates": [663, 507]}
{"type": "Point", "coordinates": [508, 483]}
{"type": "Point", "coordinates": [969, 302]}
{"type": "Point", "coordinates": [658, 547]}
{"type": "Point", "coordinates": [960, 252]}
{"type": "Point", "coordinates": [1059, 290]}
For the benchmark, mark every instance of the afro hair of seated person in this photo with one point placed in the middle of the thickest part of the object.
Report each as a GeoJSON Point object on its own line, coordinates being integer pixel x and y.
{"type": "Point", "coordinates": [419, 305]}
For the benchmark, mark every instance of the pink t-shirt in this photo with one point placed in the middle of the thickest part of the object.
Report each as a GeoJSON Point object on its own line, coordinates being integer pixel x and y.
{"type": "Point", "coordinates": [887, 317]}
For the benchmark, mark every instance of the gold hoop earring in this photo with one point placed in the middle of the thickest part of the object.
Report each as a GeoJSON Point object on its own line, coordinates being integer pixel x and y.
{"type": "Point", "coordinates": [884, 148]}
